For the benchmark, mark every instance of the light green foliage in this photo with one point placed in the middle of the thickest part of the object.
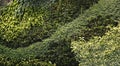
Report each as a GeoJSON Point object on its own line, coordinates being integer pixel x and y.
{"type": "Point", "coordinates": [24, 22]}
{"type": "Point", "coordinates": [101, 51]}
{"type": "Point", "coordinates": [57, 48]}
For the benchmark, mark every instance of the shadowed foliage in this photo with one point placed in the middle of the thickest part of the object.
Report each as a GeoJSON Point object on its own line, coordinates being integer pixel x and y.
{"type": "Point", "coordinates": [57, 47]}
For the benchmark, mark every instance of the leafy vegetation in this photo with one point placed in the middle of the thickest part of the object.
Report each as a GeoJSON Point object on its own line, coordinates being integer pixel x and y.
{"type": "Point", "coordinates": [26, 22]}
{"type": "Point", "coordinates": [33, 33]}
{"type": "Point", "coordinates": [103, 50]}
{"type": "Point", "coordinates": [34, 62]}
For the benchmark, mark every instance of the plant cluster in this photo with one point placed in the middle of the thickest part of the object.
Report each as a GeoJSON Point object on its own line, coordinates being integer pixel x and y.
{"type": "Point", "coordinates": [25, 25]}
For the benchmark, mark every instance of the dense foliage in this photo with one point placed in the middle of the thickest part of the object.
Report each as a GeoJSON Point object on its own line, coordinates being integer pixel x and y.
{"type": "Point", "coordinates": [19, 25]}
{"type": "Point", "coordinates": [34, 62]}
{"type": "Point", "coordinates": [53, 24]}
{"type": "Point", "coordinates": [24, 22]}
{"type": "Point", "coordinates": [103, 50]}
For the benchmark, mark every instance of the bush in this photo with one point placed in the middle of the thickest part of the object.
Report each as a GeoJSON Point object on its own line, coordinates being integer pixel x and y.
{"type": "Point", "coordinates": [24, 22]}
{"type": "Point", "coordinates": [34, 62]}
{"type": "Point", "coordinates": [57, 48]}
{"type": "Point", "coordinates": [99, 51]}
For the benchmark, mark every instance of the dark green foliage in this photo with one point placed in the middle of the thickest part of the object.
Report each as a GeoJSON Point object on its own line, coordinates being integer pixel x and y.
{"type": "Point", "coordinates": [24, 22]}
{"type": "Point", "coordinates": [57, 48]}
{"type": "Point", "coordinates": [20, 26]}
{"type": "Point", "coordinates": [103, 49]}
{"type": "Point", "coordinates": [65, 11]}
{"type": "Point", "coordinates": [97, 25]}
{"type": "Point", "coordinates": [34, 62]}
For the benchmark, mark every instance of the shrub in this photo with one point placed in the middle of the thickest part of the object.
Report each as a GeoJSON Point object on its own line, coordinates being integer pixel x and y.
{"type": "Point", "coordinates": [34, 62]}
{"type": "Point", "coordinates": [58, 47]}
{"type": "Point", "coordinates": [24, 22]}
{"type": "Point", "coordinates": [100, 50]}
